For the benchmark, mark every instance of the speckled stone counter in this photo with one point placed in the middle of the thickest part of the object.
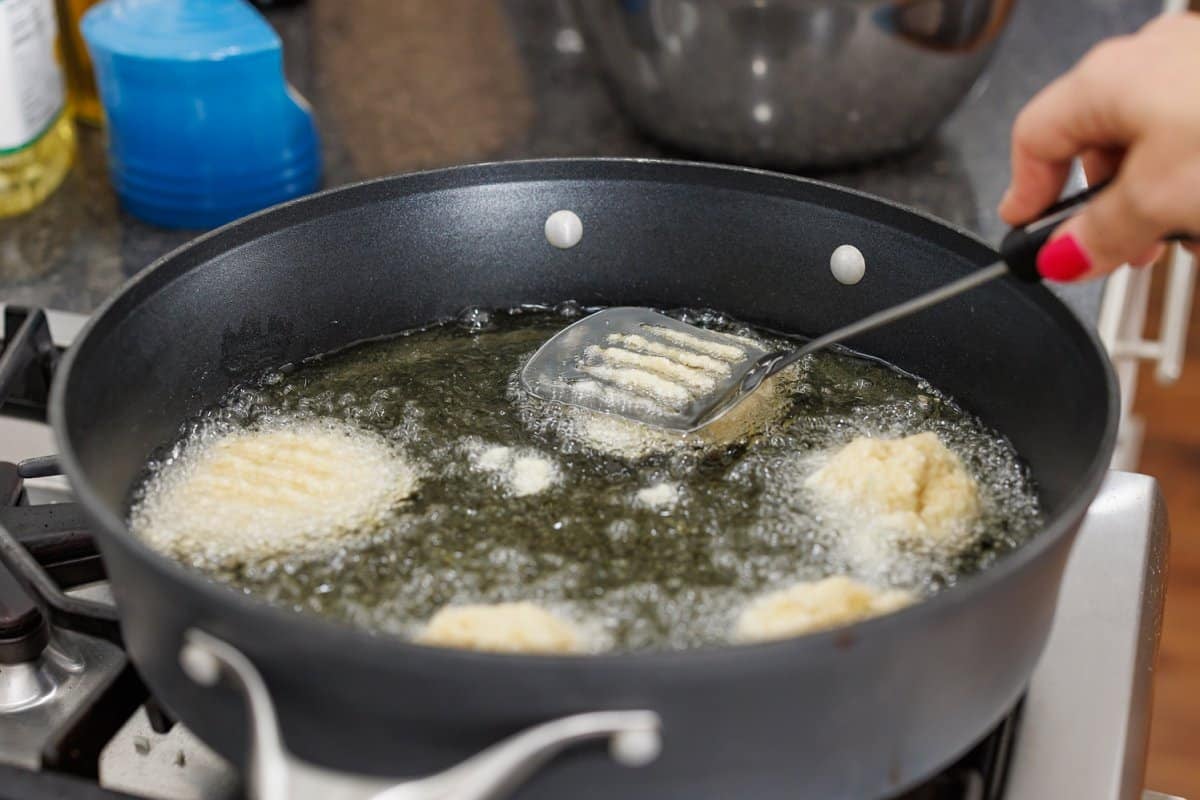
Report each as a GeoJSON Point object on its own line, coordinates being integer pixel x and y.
{"type": "Point", "coordinates": [400, 86]}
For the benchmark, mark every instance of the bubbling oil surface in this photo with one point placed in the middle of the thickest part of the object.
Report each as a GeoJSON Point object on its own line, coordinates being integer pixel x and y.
{"type": "Point", "coordinates": [633, 575]}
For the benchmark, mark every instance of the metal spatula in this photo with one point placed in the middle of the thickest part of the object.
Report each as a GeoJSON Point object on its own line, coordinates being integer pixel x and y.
{"type": "Point", "coordinates": [650, 368]}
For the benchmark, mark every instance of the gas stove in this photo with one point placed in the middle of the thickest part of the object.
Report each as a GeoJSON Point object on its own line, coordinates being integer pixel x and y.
{"type": "Point", "coordinates": [76, 721]}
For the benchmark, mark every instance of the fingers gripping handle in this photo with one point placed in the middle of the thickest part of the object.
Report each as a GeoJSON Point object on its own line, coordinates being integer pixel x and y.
{"type": "Point", "coordinates": [1020, 247]}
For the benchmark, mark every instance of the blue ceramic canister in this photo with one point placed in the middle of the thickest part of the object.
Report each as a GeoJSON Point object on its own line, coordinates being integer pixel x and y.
{"type": "Point", "coordinates": [202, 125]}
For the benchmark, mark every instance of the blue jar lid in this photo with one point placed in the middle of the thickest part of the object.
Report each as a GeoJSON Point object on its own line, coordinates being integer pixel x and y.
{"type": "Point", "coordinates": [178, 29]}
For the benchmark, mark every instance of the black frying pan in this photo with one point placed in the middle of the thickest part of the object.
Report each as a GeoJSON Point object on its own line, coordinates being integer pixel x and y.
{"type": "Point", "coordinates": [860, 712]}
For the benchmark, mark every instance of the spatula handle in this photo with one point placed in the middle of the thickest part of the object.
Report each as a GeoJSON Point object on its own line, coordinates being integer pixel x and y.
{"type": "Point", "coordinates": [1020, 247]}
{"type": "Point", "coordinates": [1018, 255]}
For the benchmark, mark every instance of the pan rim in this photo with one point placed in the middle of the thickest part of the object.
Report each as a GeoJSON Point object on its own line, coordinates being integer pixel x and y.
{"type": "Point", "coordinates": [361, 643]}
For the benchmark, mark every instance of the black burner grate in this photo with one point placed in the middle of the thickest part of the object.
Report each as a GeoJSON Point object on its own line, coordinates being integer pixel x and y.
{"type": "Point", "coordinates": [28, 358]}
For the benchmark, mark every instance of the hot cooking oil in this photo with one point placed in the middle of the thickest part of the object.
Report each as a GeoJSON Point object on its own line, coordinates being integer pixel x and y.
{"type": "Point", "coordinates": [657, 551]}
{"type": "Point", "coordinates": [37, 140]}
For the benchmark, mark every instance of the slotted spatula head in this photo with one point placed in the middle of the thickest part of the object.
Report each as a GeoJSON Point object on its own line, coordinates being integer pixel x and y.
{"type": "Point", "coordinates": [636, 363]}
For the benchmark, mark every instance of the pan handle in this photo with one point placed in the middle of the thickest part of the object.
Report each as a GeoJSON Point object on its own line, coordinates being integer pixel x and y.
{"type": "Point", "coordinates": [496, 772]}
{"type": "Point", "coordinates": [276, 774]}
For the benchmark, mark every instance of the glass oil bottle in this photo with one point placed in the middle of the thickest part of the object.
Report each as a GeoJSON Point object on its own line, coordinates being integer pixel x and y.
{"type": "Point", "coordinates": [37, 138]}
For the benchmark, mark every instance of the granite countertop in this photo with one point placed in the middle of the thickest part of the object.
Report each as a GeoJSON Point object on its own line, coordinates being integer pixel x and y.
{"type": "Point", "coordinates": [402, 86]}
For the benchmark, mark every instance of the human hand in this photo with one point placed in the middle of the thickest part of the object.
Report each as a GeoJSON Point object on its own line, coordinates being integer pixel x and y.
{"type": "Point", "coordinates": [1131, 111]}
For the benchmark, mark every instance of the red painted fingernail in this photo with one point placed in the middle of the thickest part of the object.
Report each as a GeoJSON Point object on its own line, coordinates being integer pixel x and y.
{"type": "Point", "coordinates": [1062, 259]}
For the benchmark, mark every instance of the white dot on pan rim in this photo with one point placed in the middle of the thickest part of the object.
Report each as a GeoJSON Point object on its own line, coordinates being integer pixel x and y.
{"type": "Point", "coordinates": [848, 264]}
{"type": "Point", "coordinates": [563, 229]}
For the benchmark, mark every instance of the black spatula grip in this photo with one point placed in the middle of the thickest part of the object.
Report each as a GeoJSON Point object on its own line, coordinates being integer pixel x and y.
{"type": "Point", "coordinates": [1020, 247]}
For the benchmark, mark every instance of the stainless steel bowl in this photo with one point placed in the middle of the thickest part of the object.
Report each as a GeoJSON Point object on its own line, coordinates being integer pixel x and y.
{"type": "Point", "coordinates": [791, 82]}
